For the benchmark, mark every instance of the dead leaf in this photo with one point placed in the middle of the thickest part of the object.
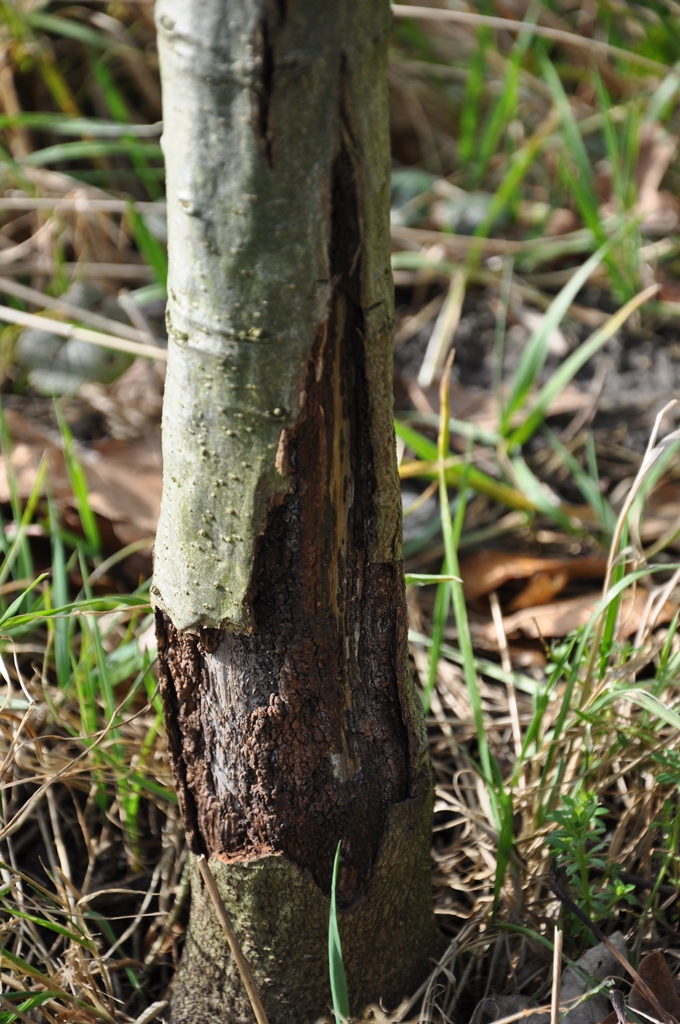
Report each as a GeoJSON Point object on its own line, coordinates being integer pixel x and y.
{"type": "Point", "coordinates": [670, 287]}
{"type": "Point", "coordinates": [551, 621]}
{"type": "Point", "coordinates": [542, 587]}
{"type": "Point", "coordinates": [124, 478]}
{"type": "Point", "coordinates": [490, 570]}
{"type": "Point", "coordinates": [561, 222]}
{"type": "Point", "coordinates": [25, 461]}
{"type": "Point", "coordinates": [125, 486]}
{"type": "Point", "coordinates": [654, 971]}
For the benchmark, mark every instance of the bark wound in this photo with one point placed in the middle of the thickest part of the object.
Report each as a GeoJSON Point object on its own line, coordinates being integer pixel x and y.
{"type": "Point", "coordinates": [268, 31]}
{"type": "Point", "coordinates": [292, 737]}
{"type": "Point", "coordinates": [180, 666]}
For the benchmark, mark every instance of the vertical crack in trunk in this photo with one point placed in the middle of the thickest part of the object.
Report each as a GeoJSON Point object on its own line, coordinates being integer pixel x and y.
{"type": "Point", "coordinates": [268, 31]}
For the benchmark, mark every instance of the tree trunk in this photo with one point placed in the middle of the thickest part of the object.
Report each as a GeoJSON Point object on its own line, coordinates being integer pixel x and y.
{"type": "Point", "coordinates": [291, 718]}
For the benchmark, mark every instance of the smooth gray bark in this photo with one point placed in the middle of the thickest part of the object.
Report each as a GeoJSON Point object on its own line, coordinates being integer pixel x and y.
{"type": "Point", "coordinates": [248, 180]}
{"type": "Point", "coordinates": [292, 722]}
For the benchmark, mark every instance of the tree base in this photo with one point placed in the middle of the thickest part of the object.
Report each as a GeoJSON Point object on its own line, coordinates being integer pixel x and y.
{"type": "Point", "coordinates": [281, 919]}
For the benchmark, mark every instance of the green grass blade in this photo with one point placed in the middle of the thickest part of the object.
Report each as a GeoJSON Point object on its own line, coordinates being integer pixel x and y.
{"type": "Point", "coordinates": [536, 351]}
{"type": "Point", "coordinates": [584, 185]}
{"type": "Point", "coordinates": [539, 494]}
{"type": "Point", "coordinates": [19, 549]}
{"type": "Point", "coordinates": [542, 699]}
{"type": "Point", "coordinates": [573, 678]}
{"type": "Point", "coordinates": [62, 124]}
{"type": "Point", "coordinates": [336, 965]}
{"type": "Point", "coordinates": [23, 552]}
{"type": "Point", "coordinates": [506, 841]}
{"type": "Point", "coordinates": [100, 605]}
{"type": "Point", "coordinates": [26, 1001]}
{"type": "Point", "coordinates": [669, 716]}
{"type": "Point", "coordinates": [611, 616]}
{"type": "Point", "coordinates": [488, 668]}
{"type": "Point", "coordinates": [440, 614]}
{"type": "Point", "coordinates": [59, 596]}
{"type": "Point", "coordinates": [44, 922]}
{"type": "Point", "coordinates": [570, 367]}
{"type": "Point", "coordinates": [505, 107]}
{"type": "Point", "coordinates": [114, 100]}
{"type": "Point", "coordinates": [507, 192]}
{"type": "Point", "coordinates": [102, 691]}
{"type": "Point", "coordinates": [50, 72]}
{"type": "Point", "coordinates": [26, 968]}
{"type": "Point", "coordinates": [472, 98]}
{"type": "Point", "coordinates": [69, 28]}
{"type": "Point", "coordinates": [623, 160]}
{"type": "Point", "coordinates": [660, 105]}
{"type": "Point", "coordinates": [451, 532]}
{"type": "Point", "coordinates": [475, 478]}
{"type": "Point", "coordinates": [470, 431]}
{"type": "Point", "coordinates": [79, 486]}
{"type": "Point", "coordinates": [119, 111]}
{"type": "Point", "coordinates": [150, 248]}
{"type": "Point", "coordinates": [422, 579]}
{"type": "Point", "coordinates": [90, 150]}
{"type": "Point", "coordinates": [580, 180]}
{"type": "Point", "coordinates": [587, 483]}
{"type": "Point", "coordinates": [7, 616]}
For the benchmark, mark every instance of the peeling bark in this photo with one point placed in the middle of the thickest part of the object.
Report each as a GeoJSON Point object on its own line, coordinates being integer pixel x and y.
{"type": "Point", "coordinates": [281, 617]}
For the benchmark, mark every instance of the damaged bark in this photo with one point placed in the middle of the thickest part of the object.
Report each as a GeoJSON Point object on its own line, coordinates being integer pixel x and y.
{"type": "Point", "coordinates": [292, 723]}
{"type": "Point", "coordinates": [268, 30]}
